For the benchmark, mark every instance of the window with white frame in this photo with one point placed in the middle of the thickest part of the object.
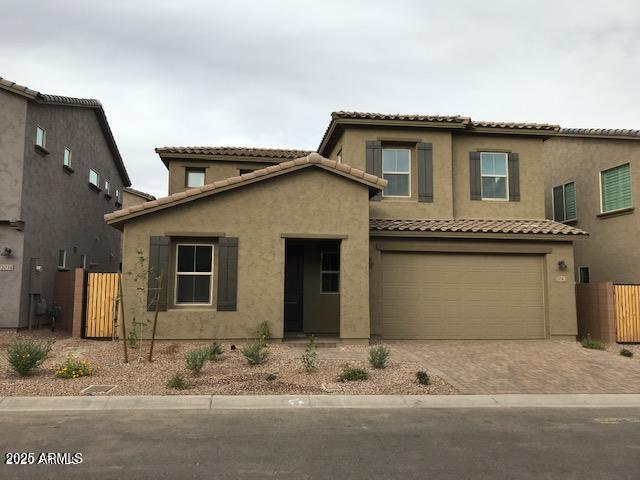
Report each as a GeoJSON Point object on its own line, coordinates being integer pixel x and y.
{"type": "Point", "coordinates": [194, 274]}
{"type": "Point", "coordinates": [195, 177]}
{"type": "Point", "coordinates": [66, 158]}
{"type": "Point", "coordinates": [396, 170]}
{"type": "Point", "coordinates": [62, 259]}
{"type": "Point", "coordinates": [107, 187]}
{"type": "Point", "coordinates": [330, 272]}
{"type": "Point", "coordinates": [564, 202]}
{"type": "Point", "coordinates": [41, 137]}
{"type": "Point", "coordinates": [94, 178]}
{"type": "Point", "coordinates": [118, 196]}
{"type": "Point", "coordinates": [615, 188]}
{"type": "Point", "coordinates": [494, 172]}
{"type": "Point", "coordinates": [83, 261]}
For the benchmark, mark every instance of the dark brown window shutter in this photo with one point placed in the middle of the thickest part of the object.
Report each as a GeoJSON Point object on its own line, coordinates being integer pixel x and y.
{"type": "Point", "coordinates": [475, 177]}
{"type": "Point", "coordinates": [374, 161]}
{"type": "Point", "coordinates": [158, 264]}
{"type": "Point", "coordinates": [514, 178]}
{"type": "Point", "coordinates": [425, 172]}
{"type": "Point", "coordinates": [227, 274]}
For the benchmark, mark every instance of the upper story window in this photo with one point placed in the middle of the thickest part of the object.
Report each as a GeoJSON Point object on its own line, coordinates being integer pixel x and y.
{"type": "Point", "coordinates": [41, 137]}
{"type": "Point", "coordinates": [194, 177]}
{"type": "Point", "coordinates": [118, 196]}
{"type": "Point", "coordinates": [339, 156]}
{"type": "Point", "coordinates": [107, 187]}
{"type": "Point", "coordinates": [564, 202]}
{"type": "Point", "coordinates": [329, 272]}
{"type": "Point", "coordinates": [94, 178]}
{"type": "Point", "coordinates": [396, 169]}
{"type": "Point", "coordinates": [493, 169]}
{"type": "Point", "coordinates": [66, 158]}
{"type": "Point", "coordinates": [615, 188]}
{"type": "Point", "coordinates": [194, 274]}
{"type": "Point", "coordinates": [62, 259]}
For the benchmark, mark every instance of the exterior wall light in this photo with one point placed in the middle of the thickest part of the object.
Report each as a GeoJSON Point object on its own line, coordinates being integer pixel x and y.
{"type": "Point", "coordinates": [562, 265]}
{"type": "Point", "coordinates": [7, 252]}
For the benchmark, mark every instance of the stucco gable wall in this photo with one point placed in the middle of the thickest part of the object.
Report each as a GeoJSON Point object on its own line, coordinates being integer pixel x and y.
{"type": "Point", "coordinates": [310, 201]}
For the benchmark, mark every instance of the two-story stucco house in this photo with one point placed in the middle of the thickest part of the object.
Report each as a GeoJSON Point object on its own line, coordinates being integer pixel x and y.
{"type": "Point", "coordinates": [426, 227]}
{"type": "Point", "coordinates": [60, 172]}
{"type": "Point", "coordinates": [592, 178]}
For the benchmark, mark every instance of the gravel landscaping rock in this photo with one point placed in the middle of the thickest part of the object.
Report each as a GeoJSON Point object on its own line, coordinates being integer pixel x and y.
{"type": "Point", "coordinates": [228, 375]}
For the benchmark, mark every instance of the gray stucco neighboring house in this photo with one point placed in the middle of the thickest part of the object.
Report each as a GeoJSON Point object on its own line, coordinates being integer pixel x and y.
{"type": "Point", "coordinates": [60, 172]}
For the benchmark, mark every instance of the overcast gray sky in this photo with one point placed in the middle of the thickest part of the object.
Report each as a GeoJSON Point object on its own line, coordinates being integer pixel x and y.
{"type": "Point", "coordinates": [268, 73]}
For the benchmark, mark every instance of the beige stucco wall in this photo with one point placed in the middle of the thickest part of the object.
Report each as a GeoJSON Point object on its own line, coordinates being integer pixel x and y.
{"type": "Point", "coordinates": [214, 170]}
{"type": "Point", "coordinates": [611, 252]}
{"type": "Point", "coordinates": [559, 295]}
{"type": "Point", "coordinates": [258, 214]}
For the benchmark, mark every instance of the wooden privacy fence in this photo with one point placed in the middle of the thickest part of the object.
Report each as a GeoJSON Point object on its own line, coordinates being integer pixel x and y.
{"type": "Point", "coordinates": [627, 306]}
{"type": "Point", "coordinates": [101, 315]}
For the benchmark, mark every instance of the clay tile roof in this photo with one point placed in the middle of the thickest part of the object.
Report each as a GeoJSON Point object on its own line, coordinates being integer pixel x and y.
{"type": "Point", "coordinates": [601, 132]}
{"type": "Point", "coordinates": [275, 153]}
{"type": "Point", "coordinates": [139, 193]}
{"type": "Point", "coordinates": [541, 226]}
{"type": "Point", "coordinates": [516, 125]}
{"type": "Point", "coordinates": [399, 116]}
{"type": "Point", "coordinates": [45, 98]}
{"type": "Point", "coordinates": [313, 159]}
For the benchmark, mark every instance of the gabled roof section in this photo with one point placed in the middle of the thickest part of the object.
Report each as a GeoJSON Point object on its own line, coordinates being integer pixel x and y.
{"type": "Point", "coordinates": [536, 226]}
{"type": "Point", "coordinates": [622, 133]}
{"type": "Point", "coordinates": [374, 183]}
{"type": "Point", "coordinates": [271, 155]}
{"type": "Point", "coordinates": [47, 99]}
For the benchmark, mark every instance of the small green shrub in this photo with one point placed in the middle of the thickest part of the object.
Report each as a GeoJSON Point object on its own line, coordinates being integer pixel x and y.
{"type": "Point", "coordinates": [626, 353]}
{"type": "Point", "coordinates": [25, 355]}
{"type": "Point", "coordinates": [423, 377]}
{"type": "Point", "coordinates": [255, 353]}
{"type": "Point", "coordinates": [592, 344]}
{"type": "Point", "coordinates": [310, 356]}
{"type": "Point", "coordinates": [378, 356]}
{"type": "Point", "coordinates": [132, 339]}
{"type": "Point", "coordinates": [213, 351]}
{"type": "Point", "coordinates": [350, 374]}
{"type": "Point", "coordinates": [195, 359]}
{"type": "Point", "coordinates": [263, 332]}
{"type": "Point", "coordinates": [74, 368]}
{"type": "Point", "coordinates": [178, 382]}
{"type": "Point", "coordinates": [270, 377]}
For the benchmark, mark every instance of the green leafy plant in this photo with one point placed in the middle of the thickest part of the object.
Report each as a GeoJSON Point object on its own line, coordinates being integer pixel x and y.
{"type": "Point", "coordinates": [195, 359]}
{"type": "Point", "coordinates": [310, 355]}
{"type": "Point", "coordinates": [25, 355]}
{"type": "Point", "coordinates": [213, 351]}
{"type": "Point", "coordinates": [350, 374]}
{"type": "Point", "coordinates": [378, 356]}
{"type": "Point", "coordinates": [255, 353]}
{"type": "Point", "coordinates": [270, 377]}
{"type": "Point", "coordinates": [626, 353]}
{"type": "Point", "coordinates": [263, 332]}
{"type": "Point", "coordinates": [73, 368]}
{"type": "Point", "coordinates": [132, 338]}
{"type": "Point", "coordinates": [592, 344]}
{"type": "Point", "coordinates": [178, 382]}
{"type": "Point", "coordinates": [423, 377]}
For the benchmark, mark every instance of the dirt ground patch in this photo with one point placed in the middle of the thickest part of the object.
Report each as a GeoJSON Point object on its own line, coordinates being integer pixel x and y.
{"type": "Point", "coordinates": [229, 375]}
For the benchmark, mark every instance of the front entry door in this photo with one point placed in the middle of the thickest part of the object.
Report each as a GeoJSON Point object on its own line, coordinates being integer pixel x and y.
{"type": "Point", "coordinates": [293, 281]}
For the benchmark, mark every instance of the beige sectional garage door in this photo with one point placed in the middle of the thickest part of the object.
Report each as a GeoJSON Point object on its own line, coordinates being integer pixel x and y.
{"type": "Point", "coordinates": [457, 296]}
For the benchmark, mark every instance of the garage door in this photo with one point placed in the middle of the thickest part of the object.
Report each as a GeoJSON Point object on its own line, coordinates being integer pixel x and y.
{"type": "Point", "coordinates": [457, 296]}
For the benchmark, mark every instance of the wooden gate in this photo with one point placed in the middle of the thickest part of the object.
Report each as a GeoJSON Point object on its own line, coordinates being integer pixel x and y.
{"type": "Point", "coordinates": [102, 291]}
{"type": "Point", "coordinates": [627, 303]}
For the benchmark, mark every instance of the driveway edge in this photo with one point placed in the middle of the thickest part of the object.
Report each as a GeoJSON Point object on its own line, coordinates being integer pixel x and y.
{"type": "Point", "coordinates": [251, 402]}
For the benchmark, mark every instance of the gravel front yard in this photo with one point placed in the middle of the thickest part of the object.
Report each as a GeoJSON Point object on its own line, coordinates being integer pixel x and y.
{"type": "Point", "coordinates": [229, 375]}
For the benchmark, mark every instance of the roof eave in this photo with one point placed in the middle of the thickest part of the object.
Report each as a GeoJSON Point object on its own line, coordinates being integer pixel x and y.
{"type": "Point", "coordinates": [555, 237]}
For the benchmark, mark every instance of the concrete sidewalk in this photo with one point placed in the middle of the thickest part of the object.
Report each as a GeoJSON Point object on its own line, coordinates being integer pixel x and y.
{"type": "Point", "coordinates": [251, 402]}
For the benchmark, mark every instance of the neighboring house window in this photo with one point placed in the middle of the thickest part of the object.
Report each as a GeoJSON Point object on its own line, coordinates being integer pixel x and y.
{"type": "Point", "coordinates": [194, 274]}
{"type": "Point", "coordinates": [107, 187]}
{"type": "Point", "coordinates": [195, 177]}
{"type": "Point", "coordinates": [564, 202]}
{"type": "Point", "coordinates": [118, 194]}
{"type": "Point", "coordinates": [583, 274]}
{"type": "Point", "coordinates": [83, 261]}
{"type": "Point", "coordinates": [245, 170]}
{"type": "Point", "coordinates": [62, 259]}
{"type": "Point", "coordinates": [615, 188]}
{"type": "Point", "coordinates": [66, 158]}
{"type": "Point", "coordinates": [339, 156]}
{"type": "Point", "coordinates": [94, 178]}
{"type": "Point", "coordinates": [396, 169]}
{"type": "Point", "coordinates": [329, 272]}
{"type": "Point", "coordinates": [493, 168]}
{"type": "Point", "coordinates": [41, 137]}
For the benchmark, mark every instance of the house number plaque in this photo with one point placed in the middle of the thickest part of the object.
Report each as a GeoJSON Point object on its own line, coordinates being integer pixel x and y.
{"type": "Point", "coordinates": [6, 268]}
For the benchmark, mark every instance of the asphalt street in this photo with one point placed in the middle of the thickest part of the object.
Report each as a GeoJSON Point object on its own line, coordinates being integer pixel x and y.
{"type": "Point", "coordinates": [505, 443]}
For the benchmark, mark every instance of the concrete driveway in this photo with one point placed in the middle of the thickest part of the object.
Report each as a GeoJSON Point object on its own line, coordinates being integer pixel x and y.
{"type": "Point", "coordinates": [523, 366]}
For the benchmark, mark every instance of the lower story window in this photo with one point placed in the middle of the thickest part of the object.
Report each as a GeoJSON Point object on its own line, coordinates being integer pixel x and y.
{"type": "Point", "coordinates": [194, 274]}
{"type": "Point", "coordinates": [330, 272]}
{"type": "Point", "coordinates": [583, 274]}
{"type": "Point", "coordinates": [62, 259]}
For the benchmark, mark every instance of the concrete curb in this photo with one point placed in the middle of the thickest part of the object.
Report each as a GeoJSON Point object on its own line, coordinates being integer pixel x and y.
{"type": "Point", "coordinates": [251, 402]}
